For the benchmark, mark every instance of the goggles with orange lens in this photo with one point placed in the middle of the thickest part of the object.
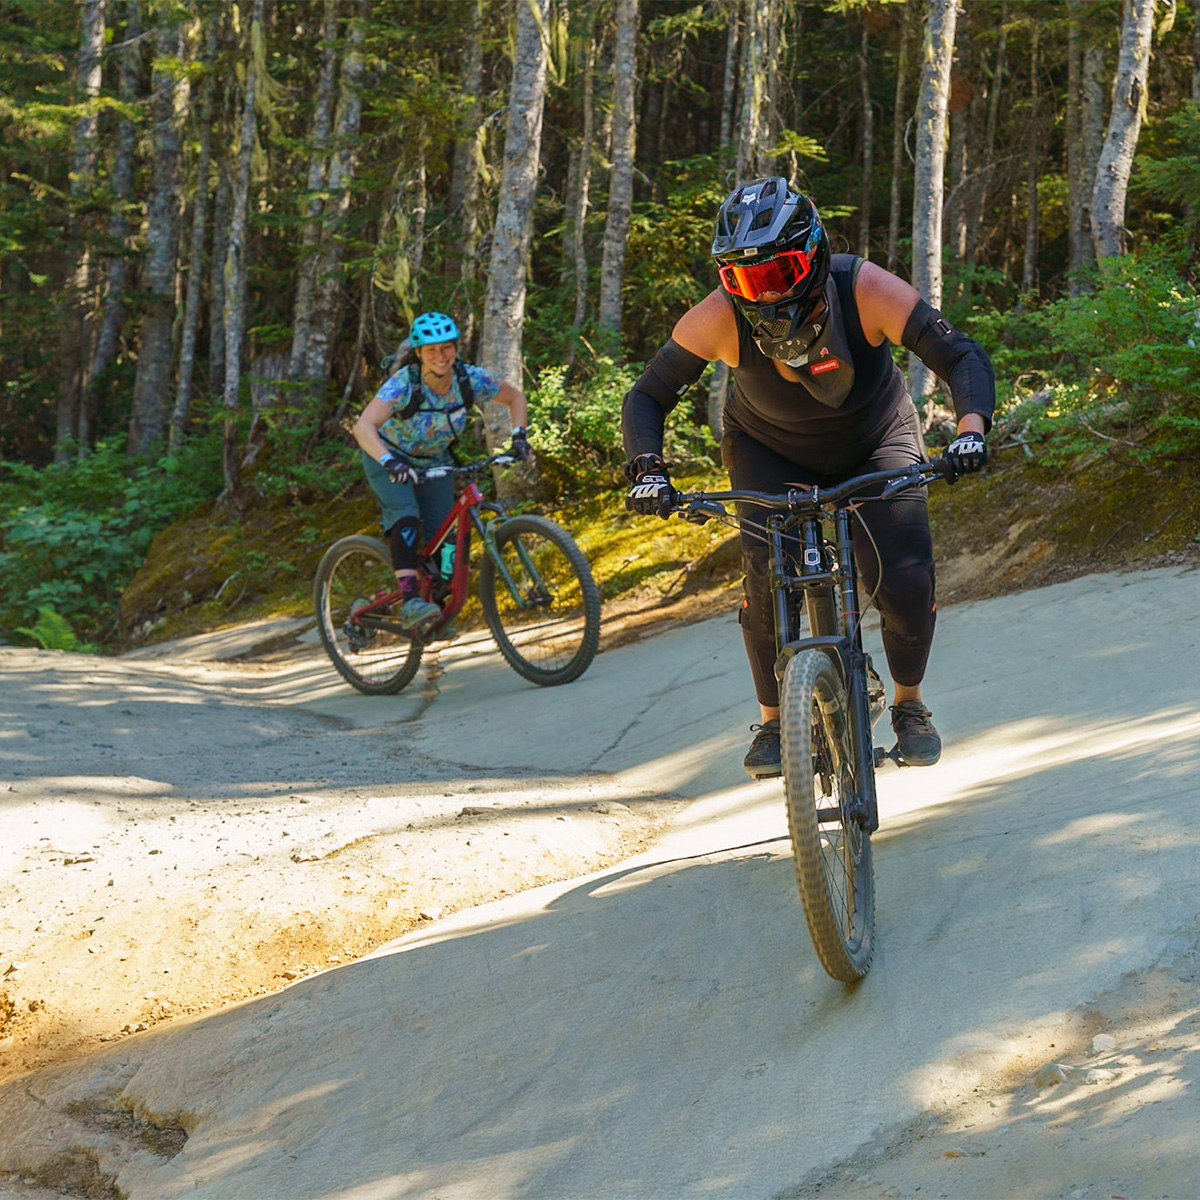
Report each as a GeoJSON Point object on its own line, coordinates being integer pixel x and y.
{"type": "Point", "coordinates": [778, 275]}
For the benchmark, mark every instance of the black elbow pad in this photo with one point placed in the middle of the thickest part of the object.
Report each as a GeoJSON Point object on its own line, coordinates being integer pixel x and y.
{"type": "Point", "coordinates": [957, 360]}
{"type": "Point", "coordinates": [667, 376]}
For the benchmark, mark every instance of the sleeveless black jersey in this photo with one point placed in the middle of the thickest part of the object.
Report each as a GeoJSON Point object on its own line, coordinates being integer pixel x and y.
{"type": "Point", "coordinates": [848, 392]}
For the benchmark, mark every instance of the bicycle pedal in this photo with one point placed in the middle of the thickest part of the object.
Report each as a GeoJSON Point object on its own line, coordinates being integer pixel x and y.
{"type": "Point", "coordinates": [892, 755]}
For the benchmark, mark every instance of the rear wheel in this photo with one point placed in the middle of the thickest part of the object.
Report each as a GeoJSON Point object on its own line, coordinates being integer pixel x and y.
{"type": "Point", "coordinates": [359, 630]}
{"type": "Point", "coordinates": [832, 851]}
{"type": "Point", "coordinates": [545, 616]}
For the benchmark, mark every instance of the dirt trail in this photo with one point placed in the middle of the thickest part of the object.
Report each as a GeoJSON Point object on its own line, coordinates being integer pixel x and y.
{"type": "Point", "coordinates": [172, 844]}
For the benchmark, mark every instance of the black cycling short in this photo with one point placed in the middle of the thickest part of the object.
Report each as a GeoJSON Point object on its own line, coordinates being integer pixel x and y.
{"type": "Point", "coordinates": [903, 590]}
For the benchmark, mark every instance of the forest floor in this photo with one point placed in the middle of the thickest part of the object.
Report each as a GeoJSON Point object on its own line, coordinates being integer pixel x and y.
{"type": "Point", "coordinates": [174, 844]}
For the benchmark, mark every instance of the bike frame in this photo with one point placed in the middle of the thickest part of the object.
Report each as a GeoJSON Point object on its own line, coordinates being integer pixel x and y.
{"type": "Point", "coordinates": [464, 515]}
{"type": "Point", "coordinates": [804, 510]}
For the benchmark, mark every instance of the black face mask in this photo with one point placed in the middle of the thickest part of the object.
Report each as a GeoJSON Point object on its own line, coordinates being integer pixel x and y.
{"type": "Point", "coordinates": [787, 331]}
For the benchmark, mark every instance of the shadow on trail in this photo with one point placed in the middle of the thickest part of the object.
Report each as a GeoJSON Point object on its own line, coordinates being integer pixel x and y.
{"type": "Point", "coordinates": [663, 1029]}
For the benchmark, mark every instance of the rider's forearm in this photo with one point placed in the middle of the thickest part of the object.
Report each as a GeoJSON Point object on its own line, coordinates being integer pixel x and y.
{"type": "Point", "coordinates": [514, 400]}
{"type": "Point", "coordinates": [643, 415]}
{"type": "Point", "coordinates": [957, 360]}
{"type": "Point", "coordinates": [368, 439]}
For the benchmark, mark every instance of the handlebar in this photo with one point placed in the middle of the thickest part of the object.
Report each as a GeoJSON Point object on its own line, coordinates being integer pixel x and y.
{"type": "Point", "coordinates": [803, 501]}
{"type": "Point", "coordinates": [475, 468]}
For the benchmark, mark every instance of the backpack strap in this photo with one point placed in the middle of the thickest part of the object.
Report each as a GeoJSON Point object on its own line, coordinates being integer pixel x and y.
{"type": "Point", "coordinates": [465, 390]}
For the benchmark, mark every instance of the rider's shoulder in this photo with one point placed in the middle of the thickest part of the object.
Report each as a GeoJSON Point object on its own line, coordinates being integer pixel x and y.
{"type": "Point", "coordinates": [709, 329]}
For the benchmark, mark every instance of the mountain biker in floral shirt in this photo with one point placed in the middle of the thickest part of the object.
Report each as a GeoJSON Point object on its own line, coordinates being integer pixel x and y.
{"type": "Point", "coordinates": [817, 399]}
{"type": "Point", "coordinates": [411, 424]}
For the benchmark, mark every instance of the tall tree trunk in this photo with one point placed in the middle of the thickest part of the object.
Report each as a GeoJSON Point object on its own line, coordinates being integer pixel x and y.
{"type": "Point", "coordinates": [620, 180]}
{"type": "Point", "coordinates": [995, 89]}
{"type": "Point", "coordinates": [954, 213]}
{"type": "Point", "coordinates": [235, 262]}
{"type": "Point", "coordinates": [577, 222]}
{"type": "Point", "coordinates": [113, 312]}
{"type": "Point", "coordinates": [500, 350]}
{"type": "Point", "coordinates": [730, 7]}
{"type": "Point", "coordinates": [753, 88]}
{"type": "Point", "coordinates": [84, 154]}
{"type": "Point", "coordinates": [1124, 125]}
{"type": "Point", "coordinates": [222, 203]}
{"type": "Point", "coordinates": [1029, 272]}
{"type": "Point", "coordinates": [1077, 235]}
{"type": "Point", "coordinates": [464, 186]}
{"type": "Point", "coordinates": [168, 105]}
{"type": "Point", "coordinates": [899, 122]}
{"type": "Point", "coordinates": [868, 147]}
{"type": "Point", "coordinates": [328, 298]}
{"type": "Point", "coordinates": [191, 307]}
{"type": "Point", "coordinates": [318, 171]}
{"type": "Point", "coordinates": [929, 173]}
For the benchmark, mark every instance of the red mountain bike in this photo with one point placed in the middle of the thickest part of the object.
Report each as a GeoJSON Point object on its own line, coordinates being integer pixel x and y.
{"type": "Point", "coordinates": [536, 588]}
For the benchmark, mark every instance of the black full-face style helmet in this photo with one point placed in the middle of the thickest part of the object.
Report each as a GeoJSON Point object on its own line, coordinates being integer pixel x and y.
{"type": "Point", "coordinates": [770, 242]}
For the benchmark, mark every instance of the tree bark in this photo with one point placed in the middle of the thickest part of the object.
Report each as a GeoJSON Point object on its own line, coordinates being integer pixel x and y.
{"type": "Point", "coordinates": [929, 173]}
{"type": "Point", "coordinates": [500, 350]}
{"type": "Point", "coordinates": [753, 87]}
{"type": "Point", "coordinates": [995, 89]}
{"type": "Point", "coordinates": [899, 121]}
{"type": "Point", "coordinates": [868, 147]}
{"type": "Point", "coordinates": [191, 307]}
{"type": "Point", "coordinates": [235, 264]}
{"type": "Point", "coordinates": [577, 222]}
{"type": "Point", "coordinates": [729, 78]}
{"type": "Point", "coordinates": [84, 155]}
{"type": "Point", "coordinates": [113, 313]}
{"type": "Point", "coordinates": [169, 98]}
{"type": "Point", "coordinates": [318, 170]}
{"type": "Point", "coordinates": [1029, 271]}
{"type": "Point", "coordinates": [464, 186]}
{"type": "Point", "coordinates": [1072, 135]}
{"type": "Point", "coordinates": [620, 180]}
{"type": "Point", "coordinates": [1124, 126]}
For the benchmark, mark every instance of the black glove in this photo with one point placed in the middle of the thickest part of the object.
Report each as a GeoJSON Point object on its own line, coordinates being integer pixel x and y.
{"type": "Point", "coordinates": [398, 470]}
{"type": "Point", "coordinates": [652, 491]}
{"type": "Point", "coordinates": [967, 453]}
{"type": "Point", "coordinates": [520, 444]}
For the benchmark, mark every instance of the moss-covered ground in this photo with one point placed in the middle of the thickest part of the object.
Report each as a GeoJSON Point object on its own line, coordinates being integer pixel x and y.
{"type": "Point", "coordinates": [1020, 524]}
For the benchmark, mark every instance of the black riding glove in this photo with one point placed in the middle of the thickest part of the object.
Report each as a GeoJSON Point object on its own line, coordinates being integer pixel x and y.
{"type": "Point", "coordinates": [398, 470]}
{"type": "Point", "coordinates": [968, 452]}
{"type": "Point", "coordinates": [652, 491]}
{"type": "Point", "coordinates": [520, 444]}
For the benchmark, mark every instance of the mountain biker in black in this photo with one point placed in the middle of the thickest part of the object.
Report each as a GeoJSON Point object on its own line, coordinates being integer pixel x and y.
{"type": "Point", "coordinates": [412, 423]}
{"type": "Point", "coordinates": [817, 398]}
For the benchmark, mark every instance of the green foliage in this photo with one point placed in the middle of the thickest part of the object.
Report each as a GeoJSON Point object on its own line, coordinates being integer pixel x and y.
{"type": "Point", "coordinates": [1176, 177]}
{"type": "Point", "coordinates": [578, 421]}
{"type": "Point", "coordinates": [1121, 365]}
{"type": "Point", "coordinates": [52, 631]}
{"type": "Point", "coordinates": [72, 534]}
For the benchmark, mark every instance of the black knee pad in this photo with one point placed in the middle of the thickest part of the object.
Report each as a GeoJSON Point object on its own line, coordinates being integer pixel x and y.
{"type": "Point", "coordinates": [403, 537]}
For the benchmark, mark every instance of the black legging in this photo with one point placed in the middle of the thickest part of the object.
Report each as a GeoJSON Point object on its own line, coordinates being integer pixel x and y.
{"type": "Point", "coordinates": [899, 526]}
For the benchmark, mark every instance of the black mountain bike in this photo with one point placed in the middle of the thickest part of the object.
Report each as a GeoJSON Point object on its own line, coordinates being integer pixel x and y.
{"type": "Point", "coordinates": [535, 585]}
{"type": "Point", "coordinates": [830, 697]}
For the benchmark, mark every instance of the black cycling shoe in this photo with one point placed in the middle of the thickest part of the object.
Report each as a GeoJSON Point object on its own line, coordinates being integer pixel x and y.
{"type": "Point", "coordinates": [763, 760]}
{"type": "Point", "coordinates": [918, 744]}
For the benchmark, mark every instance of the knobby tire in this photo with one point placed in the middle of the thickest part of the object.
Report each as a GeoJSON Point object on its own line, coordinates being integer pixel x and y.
{"type": "Point", "coordinates": [376, 662]}
{"type": "Point", "coordinates": [550, 631]}
{"type": "Point", "coordinates": [832, 853]}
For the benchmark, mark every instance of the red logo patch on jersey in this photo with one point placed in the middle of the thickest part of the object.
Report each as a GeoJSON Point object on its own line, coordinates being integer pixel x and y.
{"type": "Point", "coordinates": [831, 364]}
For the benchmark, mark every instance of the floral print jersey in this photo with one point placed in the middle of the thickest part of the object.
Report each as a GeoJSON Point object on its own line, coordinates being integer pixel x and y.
{"type": "Point", "coordinates": [427, 436]}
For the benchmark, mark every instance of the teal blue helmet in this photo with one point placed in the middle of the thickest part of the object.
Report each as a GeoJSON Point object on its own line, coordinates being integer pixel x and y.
{"type": "Point", "coordinates": [431, 328]}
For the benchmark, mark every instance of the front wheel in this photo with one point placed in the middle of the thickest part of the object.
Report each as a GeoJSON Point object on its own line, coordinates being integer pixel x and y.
{"type": "Point", "coordinates": [540, 601]}
{"type": "Point", "coordinates": [832, 851]}
{"type": "Point", "coordinates": [359, 629]}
